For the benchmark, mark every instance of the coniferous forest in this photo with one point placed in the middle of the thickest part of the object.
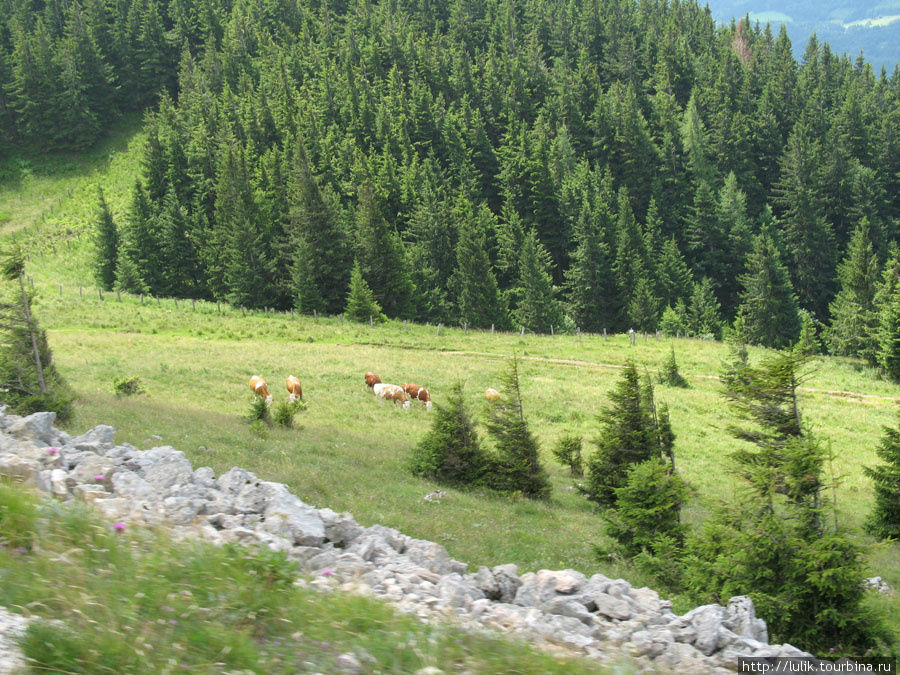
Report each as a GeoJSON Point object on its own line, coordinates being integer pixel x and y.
{"type": "Point", "coordinates": [593, 164]}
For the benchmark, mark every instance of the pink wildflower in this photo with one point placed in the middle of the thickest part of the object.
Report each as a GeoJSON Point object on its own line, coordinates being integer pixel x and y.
{"type": "Point", "coordinates": [99, 477]}
{"type": "Point", "coordinates": [327, 573]}
{"type": "Point", "coordinates": [52, 451]}
{"type": "Point", "coordinates": [119, 526]}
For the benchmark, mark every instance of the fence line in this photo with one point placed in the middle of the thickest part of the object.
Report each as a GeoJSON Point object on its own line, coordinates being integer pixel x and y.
{"type": "Point", "coordinates": [266, 311]}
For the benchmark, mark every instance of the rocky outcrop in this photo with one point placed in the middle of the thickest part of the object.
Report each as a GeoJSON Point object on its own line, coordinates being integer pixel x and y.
{"type": "Point", "coordinates": [599, 617]}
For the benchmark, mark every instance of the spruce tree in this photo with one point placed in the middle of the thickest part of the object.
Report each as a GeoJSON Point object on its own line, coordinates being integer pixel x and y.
{"type": "Point", "coordinates": [703, 312]}
{"type": "Point", "coordinates": [884, 519]}
{"type": "Point", "coordinates": [774, 545]}
{"type": "Point", "coordinates": [516, 465]}
{"type": "Point", "coordinates": [888, 346]}
{"type": "Point", "coordinates": [106, 245]}
{"type": "Point", "coordinates": [451, 451]}
{"type": "Point", "coordinates": [590, 283]}
{"type": "Point", "coordinates": [853, 312]}
{"type": "Point", "coordinates": [473, 284]}
{"type": "Point", "coordinates": [28, 377]}
{"type": "Point", "coordinates": [537, 307]}
{"type": "Point", "coordinates": [361, 303]}
{"type": "Point", "coordinates": [629, 436]}
{"type": "Point", "coordinates": [768, 306]}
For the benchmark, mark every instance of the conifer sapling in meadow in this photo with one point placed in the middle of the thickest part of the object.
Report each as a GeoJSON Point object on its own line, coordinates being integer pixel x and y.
{"type": "Point", "coordinates": [451, 451]}
{"type": "Point", "coordinates": [516, 463]}
{"type": "Point", "coordinates": [361, 303]}
{"type": "Point", "coordinates": [884, 520]}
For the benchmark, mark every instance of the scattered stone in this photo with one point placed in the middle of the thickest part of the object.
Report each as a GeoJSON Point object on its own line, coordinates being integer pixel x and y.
{"type": "Point", "coordinates": [562, 610]}
{"type": "Point", "coordinates": [877, 584]}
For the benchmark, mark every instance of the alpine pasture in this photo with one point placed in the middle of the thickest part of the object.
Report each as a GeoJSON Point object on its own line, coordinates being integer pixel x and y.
{"type": "Point", "coordinates": [349, 450]}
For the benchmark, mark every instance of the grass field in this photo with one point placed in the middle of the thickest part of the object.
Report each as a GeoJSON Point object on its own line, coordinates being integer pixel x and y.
{"type": "Point", "coordinates": [350, 451]}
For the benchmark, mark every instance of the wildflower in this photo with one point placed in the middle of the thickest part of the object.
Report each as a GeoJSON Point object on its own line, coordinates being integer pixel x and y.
{"type": "Point", "coordinates": [173, 622]}
{"type": "Point", "coordinates": [99, 477]}
{"type": "Point", "coordinates": [52, 451]}
{"type": "Point", "coordinates": [327, 573]}
{"type": "Point", "coordinates": [119, 526]}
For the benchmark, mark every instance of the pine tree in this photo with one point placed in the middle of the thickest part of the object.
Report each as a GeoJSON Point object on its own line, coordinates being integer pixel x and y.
{"type": "Point", "coordinates": [473, 283]}
{"type": "Point", "coordinates": [704, 316]}
{"type": "Point", "coordinates": [774, 544]}
{"type": "Point", "coordinates": [590, 284]}
{"type": "Point", "coordinates": [451, 451]}
{"type": "Point", "coordinates": [361, 302]}
{"type": "Point", "coordinates": [768, 306]}
{"type": "Point", "coordinates": [516, 465]}
{"type": "Point", "coordinates": [537, 308]}
{"type": "Point", "coordinates": [27, 374]}
{"type": "Point", "coordinates": [853, 312]}
{"type": "Point", "coordinates": [629, 437]}
{"type": "Point", "coordinates": [106, 243]}
{"type": "Point", "coordinates": [888, 345]}
{"type": "Point", "coordinates": [884, 519]}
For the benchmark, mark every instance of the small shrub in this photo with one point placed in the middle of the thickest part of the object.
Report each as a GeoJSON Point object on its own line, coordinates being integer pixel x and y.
{"type": "Point", "coordinates": [259, 428]}
{"type": "Point", "coordinates": [128, 386]}
{"type": "Point", "coordinates": [567, 451]}
{"type": "Point", "coordinates": [259, 411]}
{"type": "Point", "coordinates": [669, 374]}
{"type": "Point", "coordinates": [283, 414]}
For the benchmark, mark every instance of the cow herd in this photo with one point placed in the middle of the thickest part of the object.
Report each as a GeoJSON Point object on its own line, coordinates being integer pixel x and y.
{"type": "Point", "coordinates": [388, 392]}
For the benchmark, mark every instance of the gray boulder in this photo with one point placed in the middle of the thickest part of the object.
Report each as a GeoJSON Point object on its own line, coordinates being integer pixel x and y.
{"type": "Point", "coordinates": [287, 516]}
{"type": "Point", "coordinates": [741, 619]}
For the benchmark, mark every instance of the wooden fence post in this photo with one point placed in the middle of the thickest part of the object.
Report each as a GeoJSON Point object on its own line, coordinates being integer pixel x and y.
{"type": "Point", "coordinates": [523, 331]}
{"type": "Point", "coordinates": [218, 307]}
{"type": "Point", "coordinates": [100, 293]}
{"type": "Point", "coordinates": [118, 295]}
{"type": "Point", "coordinates": [551, 330]}
{"type": "Point", "coordinates": [292, 312]}
{"type": "Point", "coordinates": [371, 322]}
{"type": "Point", "coordinates": [342, 318]}
{"type": "Point", "coordinates": [578, 331]}
{"type": "Point", "coordinates": [193, 304]}
{"type": "Point", "coordinates": [176, 302]}
{"type": "Point", "coordinates": [466, 327]}
{"type": "Point", "coordinates": [439, 328]}
{"type": "Point", "coordinates": [315, 314]}
{"type": "Point", "coordinates": [158, 303]}
{"type": "Point", "coordinates": [492, 329]}
{"type": "Point", "coordinates": [142, 298]}
{"type": "Point", "coordinates": [80, 292]}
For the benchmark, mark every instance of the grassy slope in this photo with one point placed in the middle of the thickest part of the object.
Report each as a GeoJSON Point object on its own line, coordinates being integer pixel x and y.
{"type": "Point", "coordinates": [350, 453]}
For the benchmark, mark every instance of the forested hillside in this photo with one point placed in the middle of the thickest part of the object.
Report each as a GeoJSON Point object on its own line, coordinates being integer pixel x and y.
{"type": "Point", "coordinates": [600, 164]}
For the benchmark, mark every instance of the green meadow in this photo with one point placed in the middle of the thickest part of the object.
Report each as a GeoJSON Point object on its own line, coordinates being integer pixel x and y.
{"type": "Point", "coordinates": [349, 451]}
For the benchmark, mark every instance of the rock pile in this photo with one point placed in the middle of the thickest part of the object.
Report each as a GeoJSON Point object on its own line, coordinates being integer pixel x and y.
{"type": "Point", "coordinates": [596, 616]}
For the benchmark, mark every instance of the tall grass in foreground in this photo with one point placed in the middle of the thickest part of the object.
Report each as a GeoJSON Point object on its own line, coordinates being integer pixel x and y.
{"type": "Point", "coordinates": [132, 601]}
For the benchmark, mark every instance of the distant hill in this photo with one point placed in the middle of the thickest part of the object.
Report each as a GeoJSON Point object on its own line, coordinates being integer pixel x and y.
{"type": "Point", "coordinates": [870, 26]}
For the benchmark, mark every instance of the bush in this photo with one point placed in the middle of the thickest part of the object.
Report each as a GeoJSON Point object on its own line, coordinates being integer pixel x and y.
{"type": "Point", "coordinates": [567, 452]}
{"type": "Point", "coordinates": [128, 386]}
{"type": "Point", "coordinates": [259, 411]}
{"type": "Point", "coordinates": [284, 412]}
{"type": "Point", "coordinates": [669, 374]}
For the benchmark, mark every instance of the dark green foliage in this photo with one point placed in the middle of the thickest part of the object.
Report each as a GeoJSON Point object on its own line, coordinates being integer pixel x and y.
{"type": "Point", "coordinates": [361, 303]}
{"type": "Point", "coordinates": [853, 313]}
{"type": "Point", "coordinates": [516, 465]}
{"type": "Point", "coordinates": [473, 283]}
{"type": "Point", "coordinates": [888, 346]}
{"type": "Point", "coordinates": [647, 514]}
{"type": "Point", "coordinates": [259, 411]}
{"type": "Point", "coordinates": [808, 342]}
{"type": "Point", "coordinates": [451, 451]}
{"type": "Point", "coordinates": [774, 546]}
{"type": "Point", "coordinates": [590, 282]}
{"type": "Point", "coordinates": [567, 451]}
{"type": "Point", "coordinates": [704, 316]}
{"type": "Point", "coordinates": [128, 277]}
{"type": "Point", "coordinates": [884, 519]}
{"type": "Point", "coordinates": [27, 373]}
{"type": "Point", "coordinates": [285, 411]}
{"type": "Point", "coordinates": [537, 307]}
{"type": "Point", "coordinates": [630, 434]}
{"type": "Point", "coordinates": [106, 245]}
{"type": "Point", "coordinates": [668, 372]}
{"type": "Point", "coordinates": [674, 320]}
{"type": "Point", "coordinates": [768, 305]}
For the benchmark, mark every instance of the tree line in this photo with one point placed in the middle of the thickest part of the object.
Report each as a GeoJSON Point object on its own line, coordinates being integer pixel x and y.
{"type": "Point", "coordinates": [606, 165]}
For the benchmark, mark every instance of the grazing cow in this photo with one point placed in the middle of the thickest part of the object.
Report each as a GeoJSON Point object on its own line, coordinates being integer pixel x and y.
{"type": "Point", "coordinates": [260, 388]}
{"type": "Point", "coordinates": [372, 379]}
{"type": "Point", "coordinates": [391, 392]}
{"type": "Point", "coordinates": [492, 395]}
{"type": "Point", "coordinates": [418, 393]}
{"type": "Point", "coordinates": [295, 391]}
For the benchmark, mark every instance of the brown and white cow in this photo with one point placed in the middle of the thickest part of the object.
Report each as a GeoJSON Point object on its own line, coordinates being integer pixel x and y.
{"type": "Point", "coordinates": [372, 379]}
{"type": "Point", "coordinates": [391, 392]}
{"type": "Point", "coordinates": [260, 388]}
{"type": "Point", "coordinates": [492, 395]}
{"type": "Point", "coordinates": [418, 393]}
{"type": "Point", "coordinates": [295, 390]}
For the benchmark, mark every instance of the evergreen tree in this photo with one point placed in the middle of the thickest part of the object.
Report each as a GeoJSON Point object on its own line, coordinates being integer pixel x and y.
{"type": "Point", "coordinates": [590, 284]}
{"type": "Point", "coordinates": [28, 376]}
{"type": "Point", "coordinates": [451, 451]}
{"type": "Point", "coordinates": [361, 303]}
{"type": "Point", "coordinates": [768, 306]}
{"type": "Point", "coordinates": [803, 578]}
{"type": "Point", "coordinates": [853, 312]}
{"type": "Point", "coordinates": [630, 436]}
{"type": "Point", "coordinates": [884, 519]}
{"type": "Point", "coordinates": [668, 373]}
{"type": "Point", "coordinates": [516, 466]}
{"type": "Point", "coordinates": [537, 307]}
{"type": "Point", "coordinates": [106, 243]}
{"type": "Point", "coordinates": [703, 313]}
{"type": "Point", "coordinates": [473, 283]}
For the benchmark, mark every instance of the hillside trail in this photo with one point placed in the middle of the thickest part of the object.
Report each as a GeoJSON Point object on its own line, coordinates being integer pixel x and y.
{"type": "Point", "coordinates": [599, 365]}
